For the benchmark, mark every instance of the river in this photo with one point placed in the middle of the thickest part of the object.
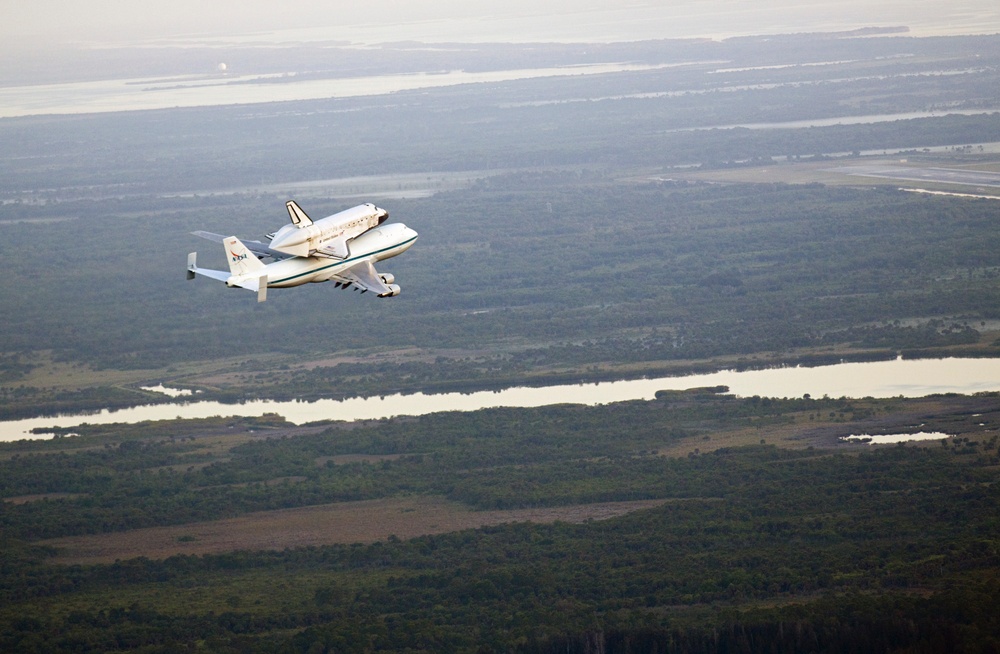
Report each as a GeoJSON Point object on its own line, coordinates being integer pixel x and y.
{"type": "Point", "coordinates": [907, 378]}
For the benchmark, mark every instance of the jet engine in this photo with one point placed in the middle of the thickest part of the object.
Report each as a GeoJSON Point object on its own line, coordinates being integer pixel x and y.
{"type": "Point", "coordinates": [387, 278]}
{"type": "Point", "coordinates": [393, 291]}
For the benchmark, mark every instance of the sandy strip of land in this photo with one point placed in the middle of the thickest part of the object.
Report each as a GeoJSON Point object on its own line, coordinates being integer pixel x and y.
{"type": "Point", "coordinates": [346, 522]}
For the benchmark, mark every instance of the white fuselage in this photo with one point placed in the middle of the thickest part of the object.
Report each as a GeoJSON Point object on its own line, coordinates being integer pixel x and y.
{"type": "Point", "coordinates": [375, 245]}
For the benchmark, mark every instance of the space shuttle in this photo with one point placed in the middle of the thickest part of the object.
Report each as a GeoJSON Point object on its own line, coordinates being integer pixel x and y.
{"type": "Point", "coordinates": [327, 237]}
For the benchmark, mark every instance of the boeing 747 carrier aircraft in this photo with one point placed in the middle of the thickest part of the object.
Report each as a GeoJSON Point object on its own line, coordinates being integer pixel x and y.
{"type": "Point", "coordinates": [342, 248]}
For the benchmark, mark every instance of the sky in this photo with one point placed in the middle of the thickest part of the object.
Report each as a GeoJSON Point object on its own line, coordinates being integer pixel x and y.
{"type": "Point", "coordinates": [44, 23]}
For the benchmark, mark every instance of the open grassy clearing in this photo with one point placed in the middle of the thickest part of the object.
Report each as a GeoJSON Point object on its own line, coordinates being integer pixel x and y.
{"type": "Point", "coordinates": [407, 516]}
{"type": "Point", "coordinates": [344, 523]}
{"type": "Point", "coordinates": [48, 373]}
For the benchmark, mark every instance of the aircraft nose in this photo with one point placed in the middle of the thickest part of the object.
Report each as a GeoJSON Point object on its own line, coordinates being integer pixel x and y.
{"type": "Point", "coordinates": [401, 232]}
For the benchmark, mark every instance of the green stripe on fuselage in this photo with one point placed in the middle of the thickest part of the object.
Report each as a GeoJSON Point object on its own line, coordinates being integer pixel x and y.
{"type": "Point", "coordinates": [340, 263]}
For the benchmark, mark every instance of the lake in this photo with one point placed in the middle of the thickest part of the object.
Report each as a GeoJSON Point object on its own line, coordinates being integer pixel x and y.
{"type": "Point", "coordinates": [907, 378]}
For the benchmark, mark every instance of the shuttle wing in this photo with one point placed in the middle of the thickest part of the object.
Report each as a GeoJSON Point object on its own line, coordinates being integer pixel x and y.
{"type": "Point", "coordinates": [335, 249]}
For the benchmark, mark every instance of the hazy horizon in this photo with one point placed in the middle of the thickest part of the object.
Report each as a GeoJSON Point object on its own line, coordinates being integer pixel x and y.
{"type": "Point", "coordinates": [69, 58]}
{"type": "Point", "coordinates": [109, 23]}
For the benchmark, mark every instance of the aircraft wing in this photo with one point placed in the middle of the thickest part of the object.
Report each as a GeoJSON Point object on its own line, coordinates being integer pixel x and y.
{"type": "Point", "coordinates": [218, 238]}
{"type": "Point", "coordinates": [258, 248]}
{"type": "Point", "coordinates": [364, 276]}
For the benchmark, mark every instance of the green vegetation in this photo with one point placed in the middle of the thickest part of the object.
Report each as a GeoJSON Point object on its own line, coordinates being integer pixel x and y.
{"type": "Point", "coordinates": [130, 187]}
{"type": "Point", "coordinates": [655, 276]}
{"type": "Point", "coordinates": [580, 248]}
{"type": "Point", "coordinates": [807, 546]}
{"type": "Point", "coordinates": [566, 261]}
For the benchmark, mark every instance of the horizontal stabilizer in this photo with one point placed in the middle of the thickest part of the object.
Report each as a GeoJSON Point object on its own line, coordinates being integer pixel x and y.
{"type": "Point", "coordinates": [255, 284]}
{"type": "Point", "coordinates": [258, 283]}
{"type": "Point", "coordinates": [193, 269]}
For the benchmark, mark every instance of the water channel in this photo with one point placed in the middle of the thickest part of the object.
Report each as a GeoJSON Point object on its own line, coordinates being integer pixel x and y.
{"type": "Point", "coordinates": [907, 378]}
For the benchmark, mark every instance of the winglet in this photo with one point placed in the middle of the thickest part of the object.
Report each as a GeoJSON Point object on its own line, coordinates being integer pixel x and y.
{"type": "Point", "coordinates": [297, 215]}
{"type": "Point", "coordinates": [192, 264]}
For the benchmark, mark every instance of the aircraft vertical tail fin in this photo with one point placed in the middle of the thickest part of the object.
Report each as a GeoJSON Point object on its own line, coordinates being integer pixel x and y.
{"type": "Point", "coordinates": [241, 260]}
{"type": "Point", "coordinates": [247, 270]}
{"type": "Point", "coordinates": [297, 215]}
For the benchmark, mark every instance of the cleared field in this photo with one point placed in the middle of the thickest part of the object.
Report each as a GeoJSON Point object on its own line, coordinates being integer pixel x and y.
{"type": "Point", "coordinates": [943, 174]}
{"type": "Point", "coordinates": [48, 373]}
{"type": "Point", "coordinates": [348, 522]}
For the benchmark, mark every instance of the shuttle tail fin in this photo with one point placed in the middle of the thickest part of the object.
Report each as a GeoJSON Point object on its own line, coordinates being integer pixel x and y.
{"type": "Point", "coordinates": [297, 215]}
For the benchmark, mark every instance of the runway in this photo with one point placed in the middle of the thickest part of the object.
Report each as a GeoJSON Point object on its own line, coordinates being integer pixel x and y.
{"type": "Point", "coordinates": [952, 176]}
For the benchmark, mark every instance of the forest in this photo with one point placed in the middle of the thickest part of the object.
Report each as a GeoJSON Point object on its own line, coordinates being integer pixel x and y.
{"type": "Point", "coordinates": [571, 248]}
{"type": "Point", "coordinates": [657, 277]}
{"type": "Point", "coordinates": [797, 542]}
